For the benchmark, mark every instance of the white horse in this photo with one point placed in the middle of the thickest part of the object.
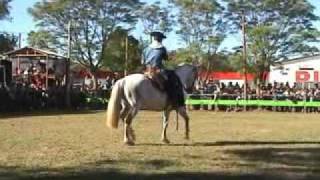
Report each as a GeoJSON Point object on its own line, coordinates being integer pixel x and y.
{"type": "Point", "coordinates": [135, 92]}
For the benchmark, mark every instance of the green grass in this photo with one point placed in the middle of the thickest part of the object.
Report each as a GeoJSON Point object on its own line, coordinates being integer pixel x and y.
{"type": "Point", "coordinates": [254, 145]}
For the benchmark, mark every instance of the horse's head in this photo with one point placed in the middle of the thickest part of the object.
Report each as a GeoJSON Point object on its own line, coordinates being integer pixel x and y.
{"type": "Point", "coordinates": [188, 75]}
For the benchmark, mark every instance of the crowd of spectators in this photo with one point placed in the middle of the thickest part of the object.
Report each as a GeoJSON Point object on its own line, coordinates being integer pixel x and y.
{"type": "Point", "coordinates": [28, 95]}
{"type": "Point", "coordinates": [275, 90]}
{"type": "Point", "coordinates": [25, 97]}
{"type": "Point", "coordinates": [271, 91]}
{"type": "Point", "coordinates": [35, 75]}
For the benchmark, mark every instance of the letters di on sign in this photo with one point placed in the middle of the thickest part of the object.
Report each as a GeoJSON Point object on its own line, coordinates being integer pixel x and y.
{"type": "Point", "coordinates": [307, 76]}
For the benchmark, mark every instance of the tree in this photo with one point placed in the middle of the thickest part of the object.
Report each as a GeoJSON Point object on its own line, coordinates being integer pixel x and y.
{"type": "Point", "coordinates": [276, 30]}
{"type": "Point", "coordinates": [224, 62]}
{"type": "Point", "coordinates": [93, 22]}
{"type": "Point", "coordinates": [7, 42]}
{"type": "Point", "coordinates": [221, 61]}
{"type": "Point", "coordinates": [156, 17]}
{"type": "Point", "coordinates": [4, 9]}
{"type": "Point", "coordinates": [42, 39]}
{"type": "Point", "coordinates": [115, 52]}
{"type": "Point", "coordinates": [201, 28]}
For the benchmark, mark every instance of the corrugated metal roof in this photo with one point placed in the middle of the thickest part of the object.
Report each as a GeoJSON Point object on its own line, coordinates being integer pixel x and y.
{"type": "Point", "coordinates": [297, 60]}
{"type": "Point", "coordinates": [41, 51]}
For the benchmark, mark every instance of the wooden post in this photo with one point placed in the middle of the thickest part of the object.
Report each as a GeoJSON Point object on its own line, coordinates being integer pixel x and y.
{"type": "Point", "coordinates": [210, 105]}
{"type": "Point", "coordinates": [216, 108]}
{"type": "Point", "coordinates": [19, 67]}
{"type": "Point", "coordinates": [4, 79]}
{"type": "Point", "coordinates": [244, 57]}
{"type": "Point", "coordinates": [67, 80]}
{"type": "Point", "coordinates": [126, 58]}
{"type": "Point", "coordinates": [201, 107]}
{"type": "Point", "coordinates": [47, 72]}
{"type": "Point", "coordinates": [20, 37]}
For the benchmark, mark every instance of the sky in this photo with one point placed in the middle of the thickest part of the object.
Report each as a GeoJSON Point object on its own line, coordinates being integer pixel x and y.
{"type": "Point", "coordinates": [22, 22]}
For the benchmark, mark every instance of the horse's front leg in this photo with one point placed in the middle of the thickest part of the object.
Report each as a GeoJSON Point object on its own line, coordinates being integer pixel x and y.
{"type": "Point", "coordinates": [183, 112]}
{"type": "Point", "coordinates": [165, 121]}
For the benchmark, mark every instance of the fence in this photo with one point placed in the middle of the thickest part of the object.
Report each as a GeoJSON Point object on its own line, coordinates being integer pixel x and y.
{"type": "Point", "coordinates": [211, 102]}
{"type": "Point", "coordinates": [267, 103]}
{"type": "Point", "coordinates": [291, 103]}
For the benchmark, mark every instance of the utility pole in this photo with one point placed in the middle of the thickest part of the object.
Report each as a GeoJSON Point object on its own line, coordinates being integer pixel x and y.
{"type": "Point", "coordinates": [67, 81]}
{"type": "Point", "coordinates": [126, 58]}
{"type": "Point", "coordinates": [244, 56]}
{"type": "Point", "coordinates": [20, 37]}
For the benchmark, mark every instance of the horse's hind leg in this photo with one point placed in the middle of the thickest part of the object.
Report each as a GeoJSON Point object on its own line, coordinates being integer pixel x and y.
{"type": "Point", "coordinates": [129, 136]}
{"type": "Point", "coordinates": [123, 115]}
{"type": "Point", "coordinates": [132, 135]}
{"type": "Point", "coordinates": [165, 122]}
{"type": "Point", "coordinates": [124, 112]}
{"type": "Point", "coordinates": [183, 112]}
{"type": "Point", "coordinates": [127, 140]}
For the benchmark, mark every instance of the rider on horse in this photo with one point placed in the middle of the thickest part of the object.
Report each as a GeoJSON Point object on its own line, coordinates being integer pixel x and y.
{"type": "Point", "coordinates": [154, 55]}
{"type": "Point", "coordinates": [166, 80]}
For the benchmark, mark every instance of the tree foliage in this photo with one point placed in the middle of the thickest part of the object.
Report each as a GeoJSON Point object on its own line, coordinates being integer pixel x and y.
{"type": "Point", "coordinates": [42, 40]}
{"type": "Point", "coordinates": [7, 42]}
{"type": "Point", "coordinates": [155, 17]}
{"type": "Point", "coordinates": [93, 21]}
{"type": "Point", "coordinates": [4, 9]}
{"type": "Point", "coordinates": [116, 52]}
{"type": "Point", "coordinates": [275, 29]}
{"type": "Point", "coordinates": [201, 28]}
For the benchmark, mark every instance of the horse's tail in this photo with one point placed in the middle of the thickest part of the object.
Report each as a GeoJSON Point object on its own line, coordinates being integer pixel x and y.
{"type": "Point", "coordinates": [114, 106]}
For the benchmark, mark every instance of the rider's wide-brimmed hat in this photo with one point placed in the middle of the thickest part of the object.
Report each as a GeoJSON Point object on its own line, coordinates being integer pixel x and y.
{"type": "Point", "coordinates": [158, 34]}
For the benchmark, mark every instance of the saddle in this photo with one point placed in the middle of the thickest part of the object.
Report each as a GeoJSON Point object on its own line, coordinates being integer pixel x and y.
{"type": "Point", "coordinates": [167, 81]}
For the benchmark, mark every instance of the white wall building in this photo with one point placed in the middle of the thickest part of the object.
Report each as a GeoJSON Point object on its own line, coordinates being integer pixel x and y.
{"type": "Point", "coordinates": [303, 71]}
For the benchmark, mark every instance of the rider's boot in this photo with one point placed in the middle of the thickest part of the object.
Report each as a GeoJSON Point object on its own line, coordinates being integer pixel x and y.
{"type": "Point", "coordinates": [157, 79]}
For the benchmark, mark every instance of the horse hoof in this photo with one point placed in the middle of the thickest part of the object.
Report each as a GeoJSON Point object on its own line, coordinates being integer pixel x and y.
{"type": "Point", "coordinates": [166, 141]}
{"type": "Point", "coordinates": [129, 143]}
{"type": "Point", "coordinates": [133, 137]}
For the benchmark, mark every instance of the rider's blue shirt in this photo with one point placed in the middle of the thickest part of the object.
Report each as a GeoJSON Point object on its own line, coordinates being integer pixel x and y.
{"type": "Point", "coordinates": [154, 56]}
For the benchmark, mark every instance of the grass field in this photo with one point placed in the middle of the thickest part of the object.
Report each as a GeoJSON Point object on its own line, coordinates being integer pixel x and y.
{"type": "Point", "coordinates": [232, 146]}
